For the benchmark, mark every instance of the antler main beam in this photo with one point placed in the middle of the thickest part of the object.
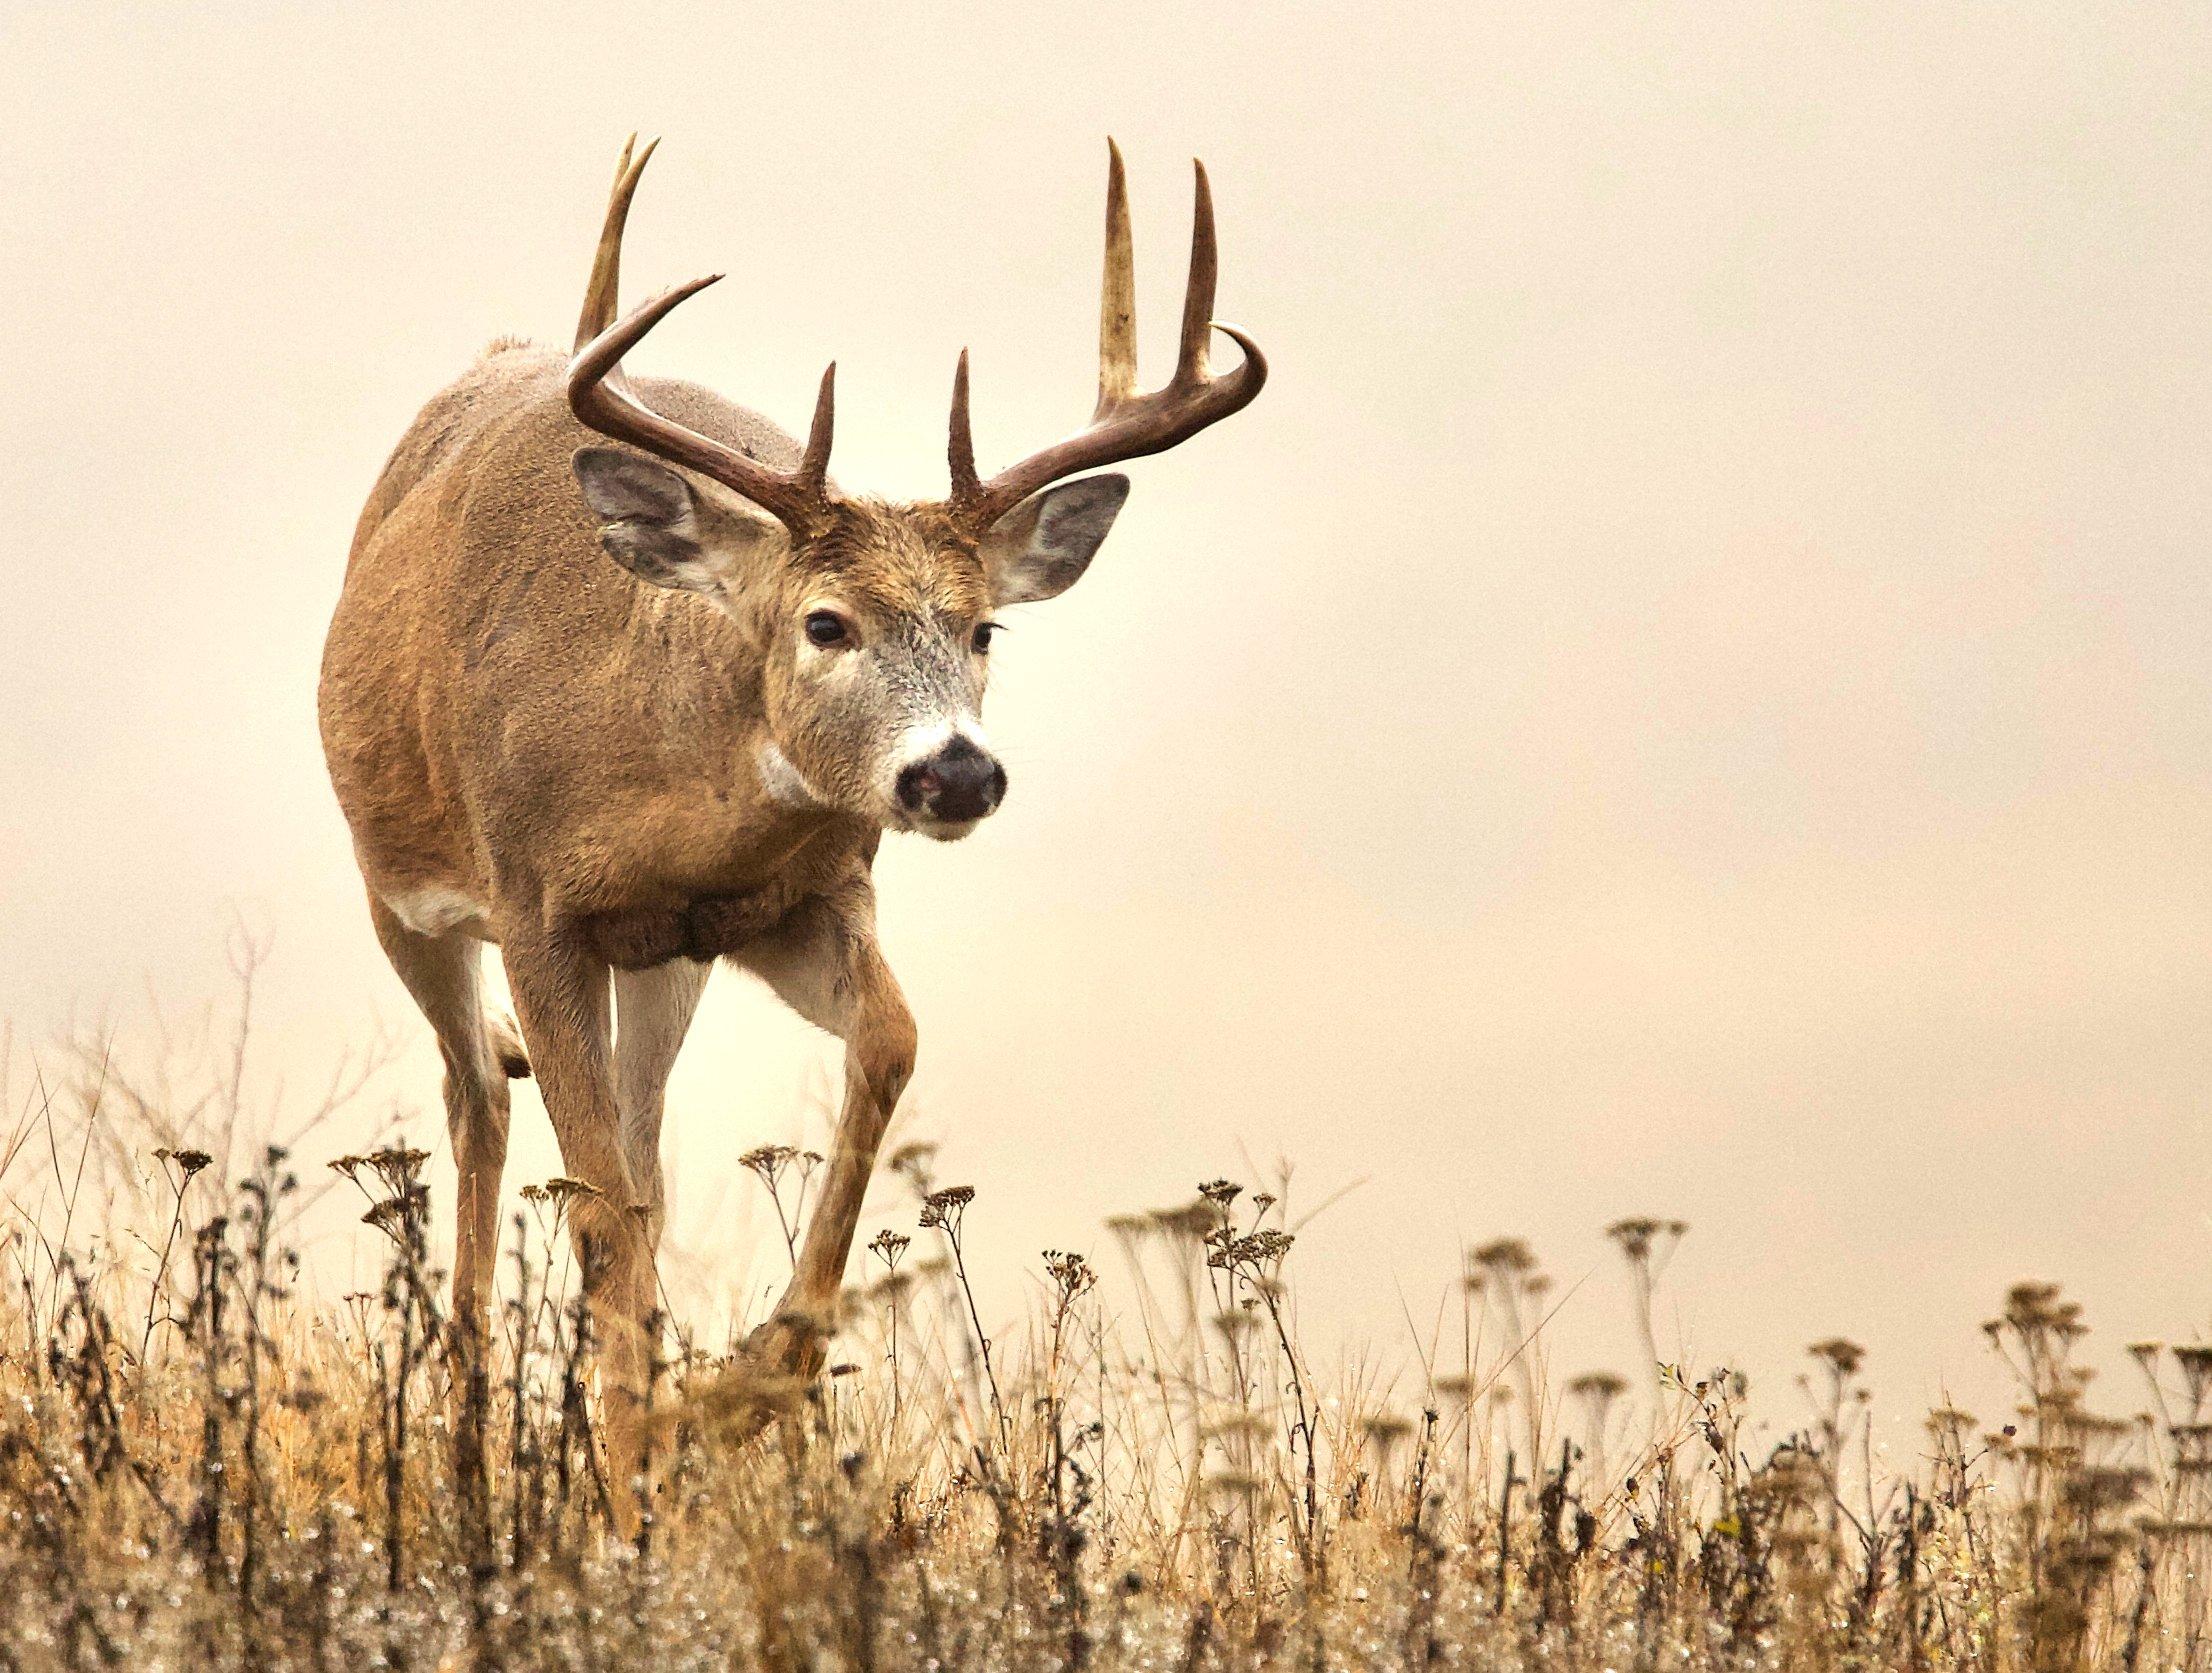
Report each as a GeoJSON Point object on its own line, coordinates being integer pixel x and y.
{"type": "Point", "coordinates": [1125, 424]}
{"type": "Point", "coordinates": [599, 395]}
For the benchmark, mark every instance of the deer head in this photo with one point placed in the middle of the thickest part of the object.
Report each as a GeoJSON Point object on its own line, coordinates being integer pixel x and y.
{"type": "Point", "coordinates": [872, 620]}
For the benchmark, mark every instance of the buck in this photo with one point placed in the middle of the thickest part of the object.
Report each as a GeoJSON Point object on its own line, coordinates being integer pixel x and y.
{"type": "Point", "coordinates": [627, 710]}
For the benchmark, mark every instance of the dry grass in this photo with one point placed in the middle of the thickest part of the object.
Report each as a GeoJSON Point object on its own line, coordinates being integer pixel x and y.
{"type": "Point", "coordinates": [202, 1466]}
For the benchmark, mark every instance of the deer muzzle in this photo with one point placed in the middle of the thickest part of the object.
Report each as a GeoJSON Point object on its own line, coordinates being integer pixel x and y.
{"type": "Point", "coordinates": [954, 785]}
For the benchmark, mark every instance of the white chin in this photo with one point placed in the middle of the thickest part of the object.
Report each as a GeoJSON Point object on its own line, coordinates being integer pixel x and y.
{"type": "Point", "coordinates": [940, 830]}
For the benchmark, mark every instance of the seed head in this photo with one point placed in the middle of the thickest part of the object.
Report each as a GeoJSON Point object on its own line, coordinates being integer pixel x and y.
{"type": "Point", "coordinates": [943, 1209]}
{"type": "Point", "coordinates": [1071, 1274]}
{"type": "Point", "coordinates": [397, 1165]}
{"type": "Point", "coordinates": [2195, 1360]}
{"type": "Point", "coordinates": [1193, 1220]}
{"type": "Point", "coordinates": [914, 1163]}
{"type": "Point", "coordinates": [189, 1162]}
{"type": "Point", "coordinates": [1254, 1255]}
{"type": "Point", "coordinates": [1234, 1324]}
{"type": "Point", "coordinates": [1505, 1255]}
{"type": "Point", "coordinates": [1387, 1429]}
{"type": "Point", "coordinates": [768, 1161]}
{"type": "Point", "coordinates": [1634, 1236]}
{"type": "Point", "coordinates": [1598, 1385]}
{"type": "Point", "coordinates": [1840, 1352]}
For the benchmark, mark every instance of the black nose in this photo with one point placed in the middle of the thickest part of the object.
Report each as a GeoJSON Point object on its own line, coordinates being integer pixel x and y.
{"type": "Point", "coordinates": [956, 784]}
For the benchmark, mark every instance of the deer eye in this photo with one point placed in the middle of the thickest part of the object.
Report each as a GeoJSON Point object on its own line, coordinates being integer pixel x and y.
{"type": "Point", "coordinates": [982, 639]}
{"type": "Point", "coordinates": [826, 628]}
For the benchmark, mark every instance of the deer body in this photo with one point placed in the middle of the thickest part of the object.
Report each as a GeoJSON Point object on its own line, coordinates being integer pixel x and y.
{"type": "Point", "coordinates": [624, 712]}
{"type": "Point", "coordinates": [496, 692]}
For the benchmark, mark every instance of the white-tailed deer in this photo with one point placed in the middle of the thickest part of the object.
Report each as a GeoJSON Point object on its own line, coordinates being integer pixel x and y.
{"type": "Point", "coordinates": [620, 771]}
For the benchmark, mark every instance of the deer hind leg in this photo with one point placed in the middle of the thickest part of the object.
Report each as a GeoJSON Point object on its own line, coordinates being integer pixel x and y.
{"type": "Point", "coordinates": [652, 1014]}
{"type": "Point", "coordinates": [825, 965]}
{"type": "Point", "coordinates": [444, 974]}
{"type": "Point", "coordinates": [562, 1002]}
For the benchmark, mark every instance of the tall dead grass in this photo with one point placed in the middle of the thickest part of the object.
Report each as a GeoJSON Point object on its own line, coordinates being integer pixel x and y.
{"type": "Point", "coordinates": [205, 1464]}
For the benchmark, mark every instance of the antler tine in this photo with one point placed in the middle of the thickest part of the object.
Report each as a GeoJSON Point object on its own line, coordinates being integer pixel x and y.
{"type": "Point", "coordinates": [606, 263]}
{"type": "Point", "coordinates": [1198, 295]}
{"type": "Point", "coordinates": [1117, 302]}
{"type": "Point", "coordinates": [814, 466]}
{"type": "Point", "coordinates": [606, 404]}
{"type": "Point", "coordinates": [1126, 425]}
{"type": "Point", "coordinates": [960, 449]}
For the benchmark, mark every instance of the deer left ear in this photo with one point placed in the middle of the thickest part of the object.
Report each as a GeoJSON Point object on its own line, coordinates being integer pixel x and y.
{"type": "Point", "coordinates": [1041, 547]}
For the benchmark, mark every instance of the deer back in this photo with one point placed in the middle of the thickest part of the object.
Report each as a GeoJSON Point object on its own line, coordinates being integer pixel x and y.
{"type": "Point", "coordinates": [492, 684]}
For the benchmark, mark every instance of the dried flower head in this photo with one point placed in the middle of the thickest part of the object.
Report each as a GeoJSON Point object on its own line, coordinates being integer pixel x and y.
{"type": "Point", "coordinates": [1254, 1256]}
{"type": "Point", "coordinates": [397, 1165]}
{"type": "Point", "coordinates": [1456, 1386]}
{"type": "Point", "coordinates": [1634, 1236]}
{"type": "Point", "coordinates": [768, 1161]}
{"type": "Point", "coordinates": [893, 1286]}
{"type": "Point", "coordinates": [1385, 1430]}
{"type": "Point", "coordinates": [1236, 1426]}
{"type": "Point", "coordinates": [1233, 1484]}
{"type": "Point", "coordinates": [1234, 1324]}
{"type": "Point", "coordinates": [398, 1216]}
{"type": "Point", "coordinates": [1505, 1255]}
{"type": "Point", "coordinates": [2195, 1360]}
{"type": "Point", "coordinates": [1839, 1352]}
{"type": "Point", "coordinates": [1949, 1424]}
{"type": "Point", "coordinates": [1070, 1274]}
{"type": "Point", "coordinates": [189, 1162]}
{"type": "Point", "coordinates": [1193, 1221]}
{"type": "Point", "coordinates": [943, 1209]}
{"type": "Point", "coordinates": [915, 1162]}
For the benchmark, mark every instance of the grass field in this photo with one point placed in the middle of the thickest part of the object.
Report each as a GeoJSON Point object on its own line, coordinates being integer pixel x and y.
{"type": "Point", "coordinates": [205, 1463]}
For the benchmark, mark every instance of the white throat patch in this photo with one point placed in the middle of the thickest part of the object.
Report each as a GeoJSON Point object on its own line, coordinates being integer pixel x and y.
{"type": "Point", "coordinates": [784, 784]}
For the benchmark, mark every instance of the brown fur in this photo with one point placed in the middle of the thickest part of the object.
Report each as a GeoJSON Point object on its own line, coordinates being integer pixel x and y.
{"type": "Point", "coordinates": [511, 718]}
{"type": "Point", "coordinates": [573, 704]}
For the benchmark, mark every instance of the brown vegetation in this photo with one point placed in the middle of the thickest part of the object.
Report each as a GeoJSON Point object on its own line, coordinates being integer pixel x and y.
{"type": "Point", "coordinates": [201, 1466]}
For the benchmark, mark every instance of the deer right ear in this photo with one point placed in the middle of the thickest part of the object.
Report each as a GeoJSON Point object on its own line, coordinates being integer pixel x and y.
{"type": "Point", "coordinates": [654, 525]}
{"type": "Point", "coordinates": [648, 517]}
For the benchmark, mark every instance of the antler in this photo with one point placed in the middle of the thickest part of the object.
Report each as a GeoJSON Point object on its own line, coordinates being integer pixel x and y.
{"type": "Point", "coordinates": [606, 261]}
{"type": "Point", "coordinates": [1125, 425]}
{"type": "Point", "coordinates": [600, 396]}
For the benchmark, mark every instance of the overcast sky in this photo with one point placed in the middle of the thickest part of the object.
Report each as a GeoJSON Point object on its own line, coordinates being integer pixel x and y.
{"type": "Point", "coordinates": [1690, 693]}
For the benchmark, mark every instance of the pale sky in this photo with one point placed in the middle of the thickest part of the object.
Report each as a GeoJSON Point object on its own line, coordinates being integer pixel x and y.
{"type": "Point", "coordinates": [1690, 693]}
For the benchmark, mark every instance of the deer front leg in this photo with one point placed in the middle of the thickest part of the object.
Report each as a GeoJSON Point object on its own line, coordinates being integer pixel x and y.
{"type": "Point", "coordinates": [561, 1002]}
{"type": "Point", "coordinates": [825, 964]}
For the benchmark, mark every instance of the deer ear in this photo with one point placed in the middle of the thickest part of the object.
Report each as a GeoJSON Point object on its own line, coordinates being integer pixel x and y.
{"type": "Point", "coordinates": [1041, 547]}
{"type": "Point", "coordinates": [656, 526]}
